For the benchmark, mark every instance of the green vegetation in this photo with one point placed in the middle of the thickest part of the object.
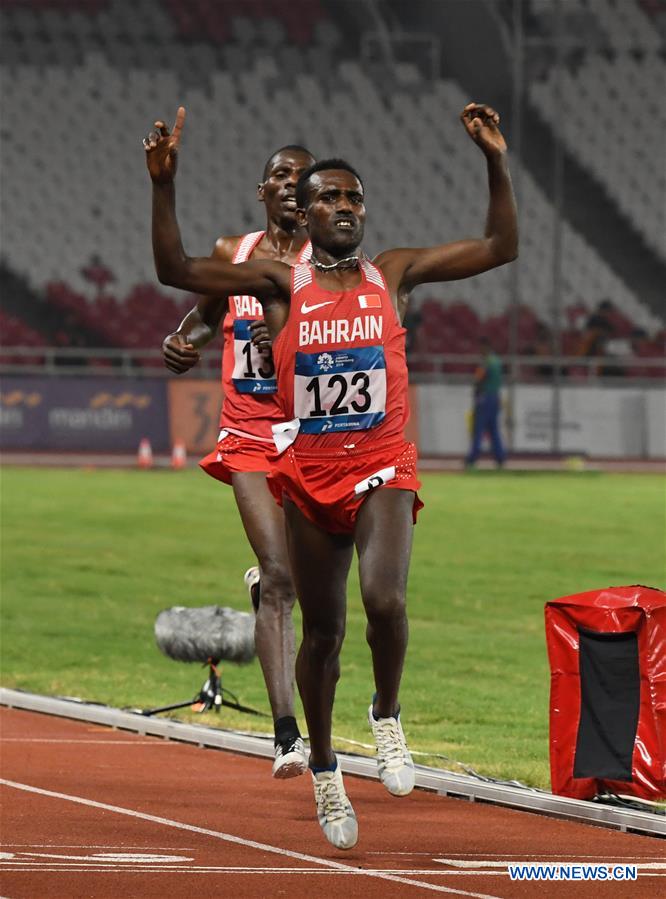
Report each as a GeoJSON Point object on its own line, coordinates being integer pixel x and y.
{"type": "Point", "coordinates": [89, 558]}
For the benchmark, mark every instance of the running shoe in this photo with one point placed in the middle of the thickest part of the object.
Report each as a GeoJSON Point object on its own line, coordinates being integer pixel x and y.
{"type": "Point", "coordinates": [290, 758]}
{"type": "Point", "coordinates": [252, 582]}
{"type": "Point", "coordinates": [394, 762]}
{"type": "Point", "coordinates": [334, 810]}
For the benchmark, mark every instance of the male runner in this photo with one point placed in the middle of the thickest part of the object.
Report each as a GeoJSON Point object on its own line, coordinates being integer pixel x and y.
{"type": "Point", "coordinates": [343, 471]}
{"type": "Point", "coordinates": [249, 410]}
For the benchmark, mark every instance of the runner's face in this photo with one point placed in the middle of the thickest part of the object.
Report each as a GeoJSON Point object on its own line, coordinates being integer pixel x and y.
{"type": "Point", "coordinates": [335, 214]}
{"type": "Point", "coordinates": [278, 190]}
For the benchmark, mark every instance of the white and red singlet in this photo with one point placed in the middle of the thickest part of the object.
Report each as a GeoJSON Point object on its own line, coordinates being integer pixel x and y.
{"type": "Point", "coordinates": [249, 386]}
{"type": "Point", "coordinates": [341, 366]}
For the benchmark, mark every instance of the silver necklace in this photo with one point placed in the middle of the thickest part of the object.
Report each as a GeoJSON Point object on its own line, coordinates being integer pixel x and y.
{"type": "Point", "coordinates": [347, 262]}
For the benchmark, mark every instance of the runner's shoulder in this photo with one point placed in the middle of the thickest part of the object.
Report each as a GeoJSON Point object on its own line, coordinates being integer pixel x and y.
{"type": "Point", "coordinates": [225, 247]}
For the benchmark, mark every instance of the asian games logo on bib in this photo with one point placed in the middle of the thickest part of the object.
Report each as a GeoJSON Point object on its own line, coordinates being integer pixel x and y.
{"type": "Point", "coordinates": [325, 361]}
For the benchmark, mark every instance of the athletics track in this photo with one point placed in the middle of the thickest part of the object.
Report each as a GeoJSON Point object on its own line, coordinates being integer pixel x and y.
{"type": "Point", "coordinates": [89, 811]}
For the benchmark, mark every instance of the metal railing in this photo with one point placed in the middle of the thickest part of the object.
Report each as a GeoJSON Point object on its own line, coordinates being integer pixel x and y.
{"type": "Point", "coordinates": [542, 369]}
{"type": "Point", "coordinates": [424, 367]}
{"type": "Point", "coordinates": [101, 361]}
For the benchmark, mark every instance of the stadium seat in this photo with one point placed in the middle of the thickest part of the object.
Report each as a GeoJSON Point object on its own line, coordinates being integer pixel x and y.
{"type": "Point", "coordinates": [135, 68]}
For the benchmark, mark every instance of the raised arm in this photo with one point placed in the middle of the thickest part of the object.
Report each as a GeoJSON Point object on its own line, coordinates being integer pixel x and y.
{"type": "Point", "coordinates": [405, 268]}
{"type": "Point", "coordinates": [266, 280]}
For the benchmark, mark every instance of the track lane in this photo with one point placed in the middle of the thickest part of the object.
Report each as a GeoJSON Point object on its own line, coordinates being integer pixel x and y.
{"type": "Point", "coordinates": [271, 838]}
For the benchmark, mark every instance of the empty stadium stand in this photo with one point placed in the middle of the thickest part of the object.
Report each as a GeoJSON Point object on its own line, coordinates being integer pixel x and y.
{"type": "Point", "coordinates": [83, 82]}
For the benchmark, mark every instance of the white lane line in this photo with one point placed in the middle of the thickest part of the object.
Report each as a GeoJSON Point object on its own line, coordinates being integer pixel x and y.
{"type": "Point", "coordinates": [483, 856]}
{"type": "Point", "coordinates": [154, 742]}
{"type": "Point", "coordinates": [31, 865]}
{"type": "Point", "coordinates": [99, 857]}
{"type": "Point", "coordinates": [232, 838]}
{"type": "Point", "coordinates": [230, 869]}
{"type": "Point", "coordinates": [102, 865]}
{"type": "Point", "coordinates": [98, 846]}
{"type": "Point", "coordinates": [319, 872]}
{"type": "Point", "coordinates": [61, 869]}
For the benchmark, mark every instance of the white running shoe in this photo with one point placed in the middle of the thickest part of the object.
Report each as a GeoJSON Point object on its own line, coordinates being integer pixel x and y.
{"type": "Point", "coordinates": [252, 578]}
{"type": "Point", "coordinates": [394, 762]}
{"type": "Point", "coordinates": [290, 759]}
{"type": "Point", "coordinates": [334, 810]}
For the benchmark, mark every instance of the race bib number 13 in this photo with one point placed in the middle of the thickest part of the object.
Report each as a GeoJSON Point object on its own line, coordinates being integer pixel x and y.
{"type": "Point", "coordinates": [253, 371]}
{"type": "Point", "coordinates": [340, 390]}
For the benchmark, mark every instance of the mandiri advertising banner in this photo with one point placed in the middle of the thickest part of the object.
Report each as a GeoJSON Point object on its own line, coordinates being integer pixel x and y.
{"type": "Point", "coordinates": [78, 414]}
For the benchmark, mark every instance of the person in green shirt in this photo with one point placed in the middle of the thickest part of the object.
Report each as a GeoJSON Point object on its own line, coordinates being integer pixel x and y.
{"type": "Point", "coordinates": [487, 406]}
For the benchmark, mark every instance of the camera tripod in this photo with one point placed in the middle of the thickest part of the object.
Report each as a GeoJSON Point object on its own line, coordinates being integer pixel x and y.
{"type": "Point", "coordinates": [210, 697]}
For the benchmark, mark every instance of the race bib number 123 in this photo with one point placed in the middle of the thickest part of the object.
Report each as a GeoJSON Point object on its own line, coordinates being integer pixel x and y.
{"type": "Point", "coordinates": [340, 390]}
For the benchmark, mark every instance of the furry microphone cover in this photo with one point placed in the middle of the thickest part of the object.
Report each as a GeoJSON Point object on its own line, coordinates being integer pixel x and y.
{"type": "Point", "coordinates": [207, 632]}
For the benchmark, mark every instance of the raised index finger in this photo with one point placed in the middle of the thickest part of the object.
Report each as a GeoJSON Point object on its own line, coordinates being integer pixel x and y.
{"type": "Point", "coordinates": [178, 124]}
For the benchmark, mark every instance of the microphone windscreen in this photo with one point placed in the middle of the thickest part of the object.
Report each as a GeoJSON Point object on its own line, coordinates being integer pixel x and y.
{"type": "Point", "coordinates": [207, 632]}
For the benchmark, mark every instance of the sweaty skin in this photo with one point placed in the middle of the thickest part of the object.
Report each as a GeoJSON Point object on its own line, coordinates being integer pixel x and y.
{"type": "Point", "coordinates": [334, 216]}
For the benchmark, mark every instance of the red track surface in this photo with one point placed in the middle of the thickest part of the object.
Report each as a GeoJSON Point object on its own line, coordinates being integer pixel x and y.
{"type": "Point", "coordinates": [110, 814]}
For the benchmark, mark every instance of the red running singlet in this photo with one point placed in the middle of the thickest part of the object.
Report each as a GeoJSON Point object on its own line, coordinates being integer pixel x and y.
{"type": "Point", "coordinates": [249, 384]}
{"type": "Point", "coordinates": [341, 366]}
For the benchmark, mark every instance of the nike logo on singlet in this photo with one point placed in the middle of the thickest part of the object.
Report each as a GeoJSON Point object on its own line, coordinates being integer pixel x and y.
{"type": "Point", "coordinates": [305, 308]}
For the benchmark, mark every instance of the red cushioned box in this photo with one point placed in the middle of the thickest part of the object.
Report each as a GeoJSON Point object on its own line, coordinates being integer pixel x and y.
{"type": "Point", "coordinates": [607, 653]}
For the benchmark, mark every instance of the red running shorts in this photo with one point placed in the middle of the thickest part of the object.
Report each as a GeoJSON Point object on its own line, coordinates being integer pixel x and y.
{"type": "Point", "coordinates": [234, 453]}
{"type": "Point", "coordinates": [329, 487]}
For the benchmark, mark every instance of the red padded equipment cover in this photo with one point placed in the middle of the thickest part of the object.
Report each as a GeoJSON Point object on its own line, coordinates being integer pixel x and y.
{"type": "Point", "coordinates": [614, 610]}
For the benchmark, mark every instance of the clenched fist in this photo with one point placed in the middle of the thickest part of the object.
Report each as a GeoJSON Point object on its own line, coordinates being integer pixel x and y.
{"type": "Point", "coordinates": [482, 124]}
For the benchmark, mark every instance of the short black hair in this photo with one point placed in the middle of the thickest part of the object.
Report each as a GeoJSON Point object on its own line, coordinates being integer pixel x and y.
{"type": "Point", "coordinates": [297, 148]}
{"type": "Point", "coordinates": [324, 165]}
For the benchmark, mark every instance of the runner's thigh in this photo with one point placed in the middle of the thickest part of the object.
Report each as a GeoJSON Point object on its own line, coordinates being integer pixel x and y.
{"type": "Point", "coordinates": [383, 536]}
{"type": "Point", "coordinates": [320, 564]}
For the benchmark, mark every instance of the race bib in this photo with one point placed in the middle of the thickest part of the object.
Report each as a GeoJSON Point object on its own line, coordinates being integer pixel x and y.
{"type": "Point", "coordinates": [340, 390]}
{"type": "Point", "coordinates": [253, 371]}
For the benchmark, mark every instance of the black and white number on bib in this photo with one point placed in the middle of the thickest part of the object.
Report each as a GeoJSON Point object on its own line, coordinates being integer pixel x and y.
{"type": "Point", "coordinates": [340, 390]}
{"type": "Point", "coordinates": [253, 371]}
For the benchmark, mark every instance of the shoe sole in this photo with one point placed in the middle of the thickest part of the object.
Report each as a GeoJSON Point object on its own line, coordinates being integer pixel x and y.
{"type": "Point", "coordinates": [344, 847]}
{"type": "Point", "coordinates": [398, 795]}
{"type": "Point", "coordinates": [290, 768]}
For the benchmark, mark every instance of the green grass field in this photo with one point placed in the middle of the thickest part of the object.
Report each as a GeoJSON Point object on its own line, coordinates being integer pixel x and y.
{"type": "Point", "coordinates": [89, 558]}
